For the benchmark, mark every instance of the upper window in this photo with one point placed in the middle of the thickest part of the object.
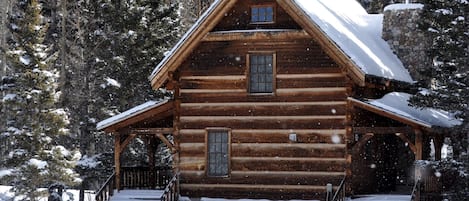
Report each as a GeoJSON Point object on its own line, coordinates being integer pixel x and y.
{"type": "Point", "coordinates": [261, 73]}
{"type": "Point", "coordinates": [218, 155]}
{"type": "Point", "coordinates": [262, 14]}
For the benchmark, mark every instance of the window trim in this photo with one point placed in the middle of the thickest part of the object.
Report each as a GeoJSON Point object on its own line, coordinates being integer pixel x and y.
{"type": "Point", "coordinates": [274, 11]}
{"type": "Point", "coordinates": [274, 72]}
{"type": "Point", "coordinates": [207, 162]}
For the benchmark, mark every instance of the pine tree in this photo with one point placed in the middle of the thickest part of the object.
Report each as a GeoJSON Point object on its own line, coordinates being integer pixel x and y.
{"type": "Point", "coordinates": [445, 23]}
{"type": "Point", "coordinates": [34, 121]}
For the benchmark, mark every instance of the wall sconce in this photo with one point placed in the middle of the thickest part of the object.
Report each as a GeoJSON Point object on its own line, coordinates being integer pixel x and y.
{"type": "Point", "coordinates": [292, 137]}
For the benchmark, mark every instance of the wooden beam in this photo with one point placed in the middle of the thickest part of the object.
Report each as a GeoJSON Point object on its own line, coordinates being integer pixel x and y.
{"type": "Point", "coordinates": [258, 34]}
{"type": "Point", "coordinates": [382, 130]}
{"type": "Point", "coordinates": [409, 143]}
{"type": "Point", "coordinates": [126, 142]}
{"type": "Point", "coordinates": [418, 144]}
{"type": "Point", "coordinates": [151, 131]}
{"type": "Point", "coordinates": [309, 76]}
{"type": "Point", "coordinates": [438, 143]}
{"type": "Point", "coordinates": [117, 148]}
{"type": "Point", "coordinates": [361, 142]}
{"type": "Point", "coordinates": [165, 140]}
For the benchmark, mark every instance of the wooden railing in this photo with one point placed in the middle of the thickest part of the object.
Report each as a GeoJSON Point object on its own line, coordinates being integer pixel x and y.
{"type": "Point", "coordinates": [415, 196]}
{"type": "Point", "coordinates": [340, 193]}
{"type": "Point", "coordinates": [171, 192]}
{"type": "Point", "coordinates": [107, 190]}
{"type": "Point", "coordinates": [136, 178]}
{"type": "Point", "coordinates": [145, 178]}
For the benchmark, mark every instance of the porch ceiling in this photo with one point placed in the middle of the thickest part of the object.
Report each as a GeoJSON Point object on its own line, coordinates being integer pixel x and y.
{"type": "Point", "coordinates": [143, 114]}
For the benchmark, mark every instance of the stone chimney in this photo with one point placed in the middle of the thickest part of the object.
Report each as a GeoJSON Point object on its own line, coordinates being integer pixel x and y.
{"type": "Point", "coordinates": [401, 31]}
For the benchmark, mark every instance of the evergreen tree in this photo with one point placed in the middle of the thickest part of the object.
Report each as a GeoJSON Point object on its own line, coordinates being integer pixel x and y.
{"type": "Point", "coordinates": [445, 23]}
{"type": "Point", "coordinates": [34, 122]}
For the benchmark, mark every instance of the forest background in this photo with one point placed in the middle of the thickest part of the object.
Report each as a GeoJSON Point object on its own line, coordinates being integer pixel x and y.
{"type": "Point", "coordinates": [67, 64]}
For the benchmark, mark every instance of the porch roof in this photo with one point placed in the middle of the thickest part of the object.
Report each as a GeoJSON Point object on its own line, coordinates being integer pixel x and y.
{"type": "Point", "coordinates": [396, 106]}
{"type": "Point", "coordinates": [162, 108]}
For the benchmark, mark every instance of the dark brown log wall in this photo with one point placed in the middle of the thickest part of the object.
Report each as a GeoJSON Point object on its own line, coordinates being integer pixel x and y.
{"type": "Point", "coordinates": [309, 100]}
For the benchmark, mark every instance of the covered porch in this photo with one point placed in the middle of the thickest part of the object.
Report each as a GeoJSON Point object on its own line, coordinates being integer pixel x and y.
{"type": "Point", "coordinates": [152, 124]}
{"type": "Point", "coordinates": [388, 137]}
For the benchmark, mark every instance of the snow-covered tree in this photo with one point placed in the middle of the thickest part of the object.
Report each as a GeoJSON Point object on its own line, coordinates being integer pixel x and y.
{"type": "Point", "coordinates": [446, 25]}
{"type": "Point", "coordinates": [34, 122]}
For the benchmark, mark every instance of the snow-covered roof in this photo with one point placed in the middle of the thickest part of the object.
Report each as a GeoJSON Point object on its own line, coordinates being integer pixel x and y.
{"type": "Point", "coordinates": [130, 113]}
{"type": "Point", "coordinates": [344, 22]}
{"type": "Point", "coordinates": [397, 103]}
{"type": "Point", "coordinates": [358, 34]}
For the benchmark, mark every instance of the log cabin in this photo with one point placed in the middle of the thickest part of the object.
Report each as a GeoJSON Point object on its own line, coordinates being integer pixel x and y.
{"type": "Point", "coordinates": [277, 98]}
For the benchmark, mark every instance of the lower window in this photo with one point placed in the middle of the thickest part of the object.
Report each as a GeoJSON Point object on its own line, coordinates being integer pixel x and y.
{"type": "Point", "coordinates": [218, 153]}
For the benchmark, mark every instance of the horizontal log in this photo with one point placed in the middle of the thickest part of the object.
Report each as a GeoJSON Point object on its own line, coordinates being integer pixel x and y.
{"type": "Point", "coordinates": [246, 97]}
{"type": "Point", "coordinates": [287, 150]}
{"type": "Point", "coordinates": [276, 104]}
{"type": "Point", "coordinates": [287, 164]}
{"type": "Point", "coordinates": [213, 84]}
{"type": "Point", "coordinates": [265, 122]}
{"type": "Point", "coordinates": [311, 76]}
{"type": "Point", "coordinates": [269, 150]}
{"type": "Point", "coordinates": [259, 34]}
{"type": "Point", "coordinates": [264, 109]}
{"type": "Point", "coordinates": [220, 77]}
{"type": "Point", "coordinates": [269, 136]}
{"type": "Point", "coordinates": [298, 178]}
{"type": "Point", "coordinates": [315, 91]}
{"type": "Point", "coordinates": [259, 118]}
{"type": "Point", "coordinates": [311, 83]}
{"type": "Point", "coordinates": [213, 91]}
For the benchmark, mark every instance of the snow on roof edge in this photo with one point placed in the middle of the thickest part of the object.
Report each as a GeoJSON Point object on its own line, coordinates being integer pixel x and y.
{"type": "Point", "coordinates": [403, 6]}
{"type": "Point", "coordinates": [184, 38]}
{"type": "Point", "coordinates": [129, 113]}
{"type": "Point", "coordinates": [397, 103]}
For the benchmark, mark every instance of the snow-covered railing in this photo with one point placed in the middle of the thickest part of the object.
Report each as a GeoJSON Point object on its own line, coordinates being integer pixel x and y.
{"type": "Point", "coordinates": [107, 190]}
{"type": "Point", "coordinates": [415, 196]}
{"type": "Point", "coordinates": [171, 192]}
{"type": "Point", "coordinates": [145, 177]}
{"type": "Point", "coordinates": [340, 193]}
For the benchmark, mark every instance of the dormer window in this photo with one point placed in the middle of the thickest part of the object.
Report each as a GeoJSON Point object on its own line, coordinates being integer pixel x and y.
{"type": "Point", "coordinates": [262, 14]}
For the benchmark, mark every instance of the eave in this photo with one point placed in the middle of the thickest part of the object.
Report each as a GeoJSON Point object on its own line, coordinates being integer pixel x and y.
{"type": "Point", "coordinates": [150, 114]}
{"type": "Point", "coordinates": [385, 113]}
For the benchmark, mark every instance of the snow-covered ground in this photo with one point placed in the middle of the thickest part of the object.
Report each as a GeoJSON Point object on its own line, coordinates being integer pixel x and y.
{"type": "Point", "coordinates": [69, 195]}
{"type": "Point", "coordinates": [72, 195]}
{"type": "Point", "coordinates": [363, 198]}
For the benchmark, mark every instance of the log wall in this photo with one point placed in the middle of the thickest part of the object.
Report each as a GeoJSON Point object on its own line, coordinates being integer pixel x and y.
{"type": "Point", "coordinates": [309, 100]}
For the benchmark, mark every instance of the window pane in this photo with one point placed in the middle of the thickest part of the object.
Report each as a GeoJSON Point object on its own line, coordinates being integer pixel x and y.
{"type": "Point", "coordinates": [218, 154]}
{"type": "Point", "coordinates": [261, 75]}
{"type": "Point", "coordinates": [262, 14]}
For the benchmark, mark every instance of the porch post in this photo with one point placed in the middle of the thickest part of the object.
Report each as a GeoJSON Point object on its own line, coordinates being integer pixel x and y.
{"type": "Point", "coordinates": [418, 144]}
{"type": "Point", "coordinates": [438, 143]}
{"type": "Point", "coordinates": [117, 163]}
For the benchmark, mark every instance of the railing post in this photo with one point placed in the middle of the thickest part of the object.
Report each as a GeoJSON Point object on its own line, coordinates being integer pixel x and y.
{"type": "Point", "coordinates": [329, 193]}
